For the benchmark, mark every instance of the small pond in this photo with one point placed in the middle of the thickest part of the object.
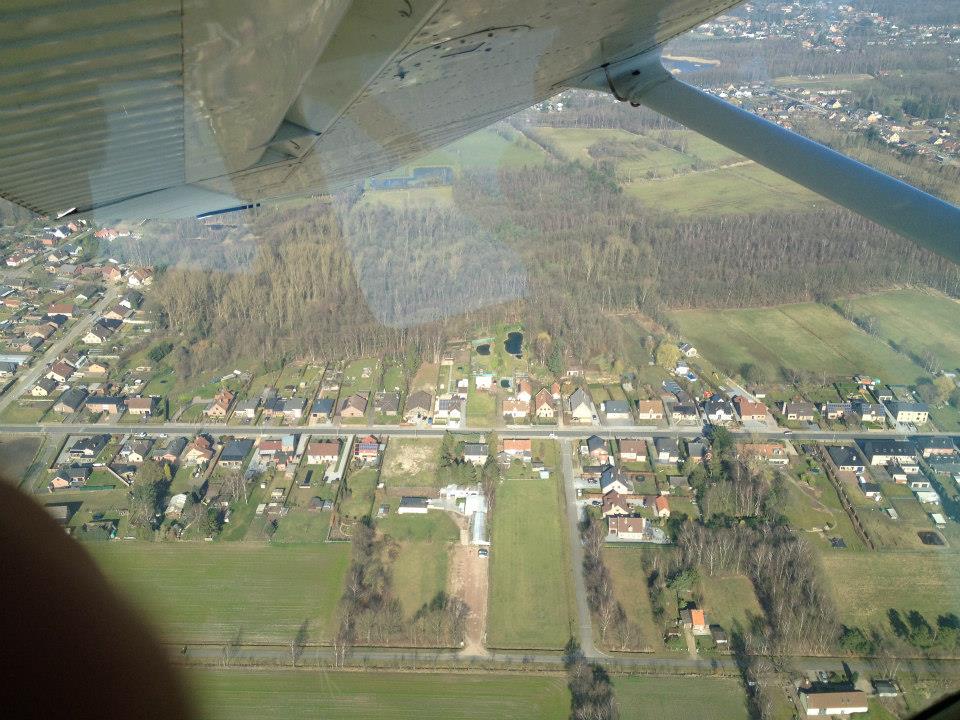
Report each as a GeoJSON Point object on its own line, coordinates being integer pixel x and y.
{"type": "Point", "coordinates": [514, 343]}
{"type": "Point", "coordinates": [483, 349]}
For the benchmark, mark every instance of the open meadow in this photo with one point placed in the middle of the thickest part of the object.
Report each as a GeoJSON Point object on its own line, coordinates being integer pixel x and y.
{"type": "Point", "coordinates": [670, 698]}
{"type": "Point", "coordinates": [916, 320]}
{"type": "Point", "coordinates": [249, 694]}
{"type": "Point", "coordinates": [804, 336]}
{"type": "Point", "coordinates": [531, 599]}
{"type": "Point", "coordinates": [213, 592]}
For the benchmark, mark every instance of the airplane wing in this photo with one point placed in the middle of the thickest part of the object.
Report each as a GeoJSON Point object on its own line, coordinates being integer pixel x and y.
{"type": "Point", "coordinates": [176, 108]}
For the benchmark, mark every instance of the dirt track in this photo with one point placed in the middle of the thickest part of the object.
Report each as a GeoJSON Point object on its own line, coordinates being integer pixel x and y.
{"type": "Point", "coordinates": [468, 580]}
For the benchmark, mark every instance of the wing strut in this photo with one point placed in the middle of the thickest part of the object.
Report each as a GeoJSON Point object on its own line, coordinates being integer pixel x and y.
{"type": "Point", "coordinates": [919, 216]}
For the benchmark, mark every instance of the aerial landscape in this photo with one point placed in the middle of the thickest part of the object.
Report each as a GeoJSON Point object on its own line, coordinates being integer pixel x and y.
{"type": "Point", "coordinates": [583, 415]}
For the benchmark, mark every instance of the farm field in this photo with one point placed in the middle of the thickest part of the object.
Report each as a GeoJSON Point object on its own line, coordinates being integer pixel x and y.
{"type": "Point", "coordinates": [804, 336]}
{"type": "Point", "coordinates": [672, 698]}
{"type": "Point", "coordinates": [215, 592]}
{"type": "Point", "coordinates": [16, 456]}
{"type": "Point", "coordinates": [531, 599]}
{"type": "Point", "coordinates": [866, 585]}
{"type": "Point", "coordinates": [916, 319]}
{"type": "Point", "coordinates": [242, 694]}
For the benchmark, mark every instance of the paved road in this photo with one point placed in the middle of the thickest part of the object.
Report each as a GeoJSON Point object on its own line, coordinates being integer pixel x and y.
{"type": "Point", "coordinates": [584, 620]}
{"type": "Point", "coordinates": [568, 432]}
{"type": "Point", "coordinates": [57, 348]}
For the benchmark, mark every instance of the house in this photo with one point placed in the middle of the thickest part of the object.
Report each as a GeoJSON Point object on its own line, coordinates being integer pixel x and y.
{"type": "Point", "coordinates": [524, 391]}
{"type": "Point", "coordinates": [410, 505]}
{"type": "Point", "coordinates": [611, 480]}
{"type": "Point", "coordinates": [70, 401]}
{"type": "Point", "coordinates": [798, 411]}
{"type": "Point", "coordinates": [884, 452]}
{"type": "Point", "coordinates": [836, 411]}
{"type": "Point", "coordinates": [7, 368]}
{"type": "Point", "coordinates": [235, 452]}
{"type": "Point", "coordinates": [869, 412]}
{"type": "Point", "coordinates": [44, 387]}
{"type": "Point", "coordinates": [175, 507]}
{"type": "Point", "coordinates": [750, 411]}
{"type": "Point", "coordinates": [661, 506]}
{"type": "Point", "coordinates": [247, 408]}
{"type": "Point", "coordinates": [136, 451]}
{"type": "Point", "coordinates": [367, 449]}
{"type": "Point", "coordinates": [219, 407]}
{"type": "Point", "coordinates": [688, 350]}
{"type": "Point", "coordinates": [616, 409]}
{"type": "Point", "coordinates": [677, 484]}
{"type": "Point", "coordinates": [72, 476]}
{"type": "Point", "coordinates": [449, 408]}
{"type": "Point", "coordinates": [140, 405]}
{"type": "Point", "coordinates": [597, 448]}
{"type": "Point", "coordinates": [909, 412]}
{"type": "Point", "coordinates": [170, 453]}
{"type": "Point", "coordinates": [615, 503]}
{"type": "Point", "coordinates": [931, 497]}
{"type": "Point", "coordinates": [773, 453]}
{"type": "Point", "coordinates": [386, 403]}
{"type": "Point", "coordinates": [475, 453]}
{"type": "Point", "coordinates": [293, 408]}
{"type": "Point", "coordinates": [632, 450]}
{"type": "Point", "coordinates": [116, 314]}
{"type": "Point", "coordinates": [684, 412]}
{"type": "Point", "coordinates": [131, 300]}
{"type": "Point", "coordinates": [695, 620]}
{"type": "Point", "coordinates": [321, 410]}
{"type": "Point", "coordinates": [89, 447]}
{"type": "Point", "coordinates": [518, 448]}
{"type": "Point", "coordinates": [718, 409]}
{"type": "Point", "coordinates": [627, 528]}
{"type": "Point", "coordinates": [884, 688]}
{"type": "Point", "coordinates": [65, 309]}
{"type": "Point", "coordinates": [97, 368]}
{"type": "Point", "coordinates": [323, 451]}
{"type": "Point", "coordinates": [846, 702]}
{"type": "Point", "coordinates": [667, 450]}
{"type": "Point", "coordinates": [543, 406]}
{"type": "Point", "coordinates": [845, 458]}
{"type": "Point", "coordinates": [515, 408]}
{"type": "Point", "coordinates": [60, 371]}
{"type": "Point", "coordinates": [199, 451]}
{"type": "Point", "coordinates": [935, 446]}
{"type": "Point", "coordinates": [104, 403]}
{"type": "Point", "coordinates": [871, 490]}
{"type": "Point", "coordinates": [98, 334]}
{"type": "Point", "coordinates": [920, 484]}
{"type": "Point", "coordinates": [418, 407]}
{"type": "Point", "coordinates": [650, 410]}
{"type": "Point", "coordinates": [483, 381]}
{"type": "Point", "coordinates": [580, 406]}
{"type": "Point", "coordinates": [140, 278]}
{"type": "Point", "coordinates": [697, 451]}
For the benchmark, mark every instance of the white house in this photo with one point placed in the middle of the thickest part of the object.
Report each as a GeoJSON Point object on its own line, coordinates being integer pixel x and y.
{"type": "Point", "coordinates": [846, 702]}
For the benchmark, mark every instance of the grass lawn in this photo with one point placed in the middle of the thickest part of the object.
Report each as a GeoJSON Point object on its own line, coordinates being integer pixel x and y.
{"type": "Point", "coordinates": [24, 413]}
{"type": "Point", "coordinates": [481, 407]}
{"type": "Point", "coordinates": [730, 601]}
{"type": "Point", "coordinates": [630, 587]}
{"type": "Point", "coordinates": [419, 573]}
{"type": "Point", "coordinates": [252, 695]}
{"type": "Point", "coordinates": [867, 584]}
{"type": "Point", "coordinates": [917, 320]}
{"type": "Point", "coordinates": [816, 505]}
{"type": "Point", "coordinates": [411, 462]}
{"type": "Point", "coordinates": [485, 149]}
{"type": "Point", "coordinates": [531, 604]}
{"type": "Point", "coordinates": [16, 455]}
{"type": "Point", "coordinates": [805, 336]}
{"type": "Point", "coordinates": [213, 591]}
{"type": "Point", "coordinates": [300, 525]}
{"type": "Point", "coordinates": [667, 698]}
{"type": "Point", "coordinates": [357, 499]}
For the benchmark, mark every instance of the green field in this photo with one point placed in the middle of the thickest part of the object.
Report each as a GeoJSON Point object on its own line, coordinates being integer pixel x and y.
{"type": "Point", "coordinates": [486, 150]}
{"type": "Point", "coordinates": [530, 591]}
{"type": "Point", "coordinates": [917, 320]}
{"type": "Point", "coordinates": [867, 584]}
{"type": "Point", "coordinates": [243, 694]}
{"type": "Point", "coordinates": [421, 556]}
{"type": "Point", "coordinates": [16, 456]}
{"type": "Point", "coordinates": [669, 698]}
{"type": "Point", "coordinates": [804, 336]}
{"type": "Point", "coordinates": [213, 592]}
{"type": "Point", "coordinates": [630, 588]}
{"type": "Point", "coordinates": [730, 601]}
{"type": "Point", "coordinates": [356, 501]}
